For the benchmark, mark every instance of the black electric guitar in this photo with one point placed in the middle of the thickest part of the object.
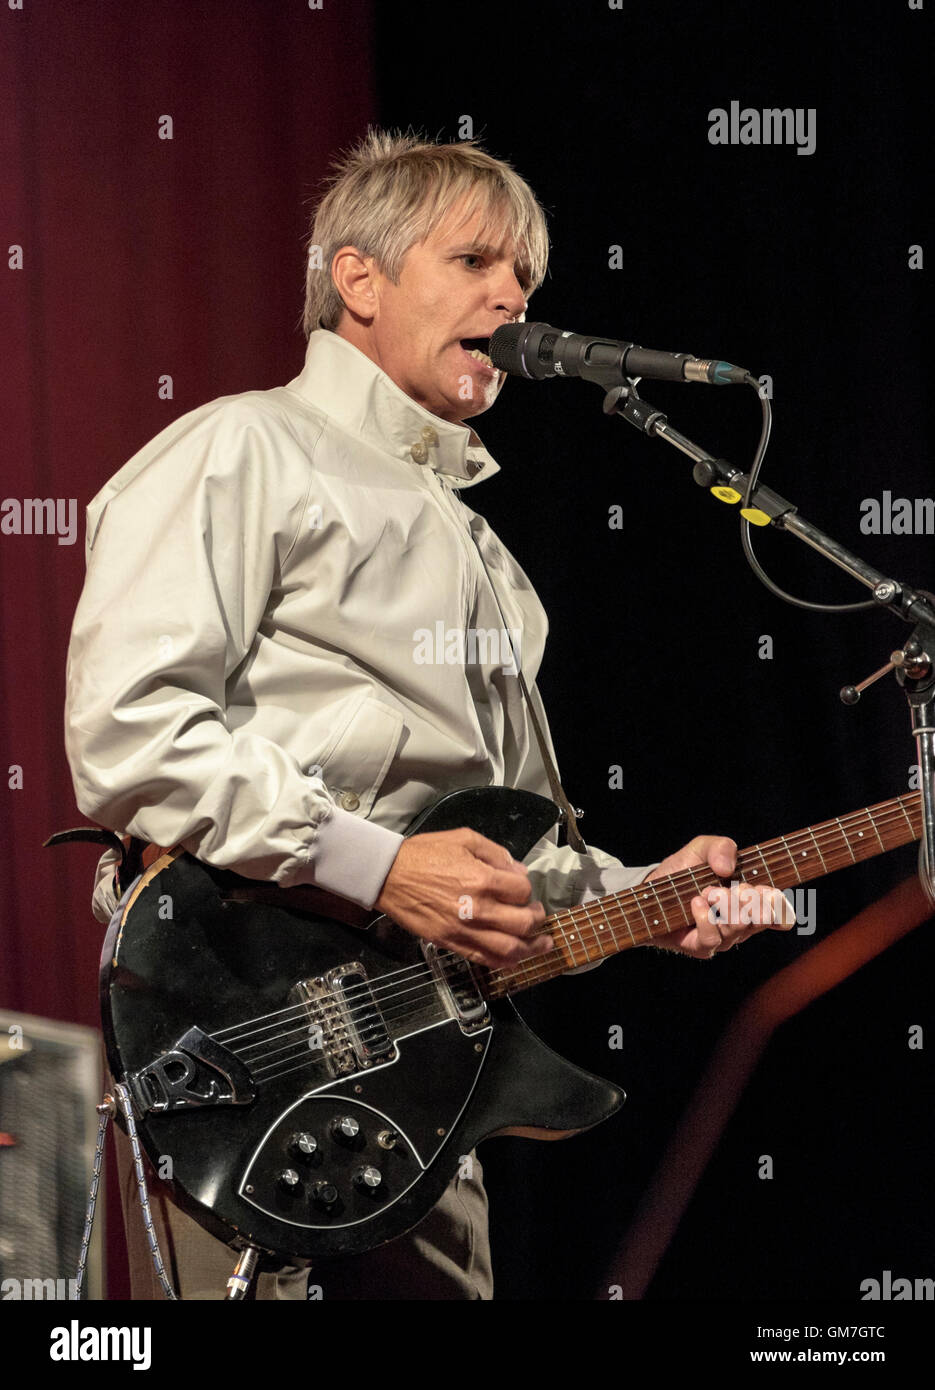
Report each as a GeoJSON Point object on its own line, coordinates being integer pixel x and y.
{"type": "Point", "coordinates": [314, 1085]}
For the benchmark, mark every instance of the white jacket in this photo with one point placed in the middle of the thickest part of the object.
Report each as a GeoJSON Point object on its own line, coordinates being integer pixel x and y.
{"type": "Point", "coordinates": [247, 672]}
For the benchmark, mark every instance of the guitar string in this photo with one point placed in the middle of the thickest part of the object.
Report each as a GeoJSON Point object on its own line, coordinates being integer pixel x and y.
{"type": "Point", "coordinates": [429, 982]}
{"type": "Point", "coordinates": [301, 1009]}
{"type": "Point", "coordinates": [658, 892]}
{"type": "Point", "coordinates": [892, 815]}
{"type": "Point", "coordinates": [669, 895]}
{"type": "Point", "coordinates": [422, 993]}
{"type": "Point", "coordinates": [426, 989]}
{"type": "Point", "coordinates": [423, 984]}
{"type": "Point", "coordinates": [667, 892]}
{"type": "Point", "coordinates": [782, 844]}
{"type": "Point", "coordinates": [313, 1055]}
{"type": "Point", "coordinates": [376, 992]}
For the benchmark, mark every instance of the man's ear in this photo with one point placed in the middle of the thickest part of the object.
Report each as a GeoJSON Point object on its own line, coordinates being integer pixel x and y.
{"type": "Point", "coordinates": [354, 276]}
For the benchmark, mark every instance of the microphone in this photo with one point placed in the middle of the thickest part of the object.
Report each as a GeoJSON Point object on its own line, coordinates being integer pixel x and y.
{"type": "Point", "coordinates": [537, 351]}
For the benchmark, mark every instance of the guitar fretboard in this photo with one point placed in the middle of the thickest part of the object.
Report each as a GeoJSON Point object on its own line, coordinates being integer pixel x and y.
{"type": "Point", "coordinates": [636, 916]}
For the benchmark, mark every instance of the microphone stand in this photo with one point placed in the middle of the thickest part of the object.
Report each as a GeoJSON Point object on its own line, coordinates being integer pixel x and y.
{"type": "Point", "coordinates": [914, 662]}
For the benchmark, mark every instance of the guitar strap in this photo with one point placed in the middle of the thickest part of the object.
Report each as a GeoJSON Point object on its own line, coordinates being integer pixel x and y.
{"type": "Point", "coordinates": [569, 815]}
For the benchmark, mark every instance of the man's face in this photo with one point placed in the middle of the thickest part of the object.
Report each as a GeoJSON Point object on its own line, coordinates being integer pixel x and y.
{"type": "Point", "coordinates": [454, 286]}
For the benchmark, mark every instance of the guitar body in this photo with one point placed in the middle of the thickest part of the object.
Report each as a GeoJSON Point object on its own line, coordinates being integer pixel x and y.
{"type": "Point", "coordinates": [308, 1087]}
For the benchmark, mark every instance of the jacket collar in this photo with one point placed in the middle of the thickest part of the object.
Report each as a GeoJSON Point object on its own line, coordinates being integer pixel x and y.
{"type": "Point", "coordinates": [341, 381]}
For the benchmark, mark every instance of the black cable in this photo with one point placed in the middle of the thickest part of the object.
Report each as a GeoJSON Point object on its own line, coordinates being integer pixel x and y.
{"type": "Point", "coordinates": [745, 534]}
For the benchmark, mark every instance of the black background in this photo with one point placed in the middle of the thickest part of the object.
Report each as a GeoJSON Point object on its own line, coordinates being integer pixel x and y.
{"type": "Point", "coordinates": [795, 266]}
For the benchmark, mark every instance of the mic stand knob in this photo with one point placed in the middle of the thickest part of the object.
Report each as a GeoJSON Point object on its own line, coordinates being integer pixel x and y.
{"type": "Point", "coordinates": [910, 660]}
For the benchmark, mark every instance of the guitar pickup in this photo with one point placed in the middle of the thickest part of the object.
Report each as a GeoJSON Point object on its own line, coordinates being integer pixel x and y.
{"type": "Point", "coordinates": [459, 988]}
{"type": "Point", "coordinates": [363, 1022]}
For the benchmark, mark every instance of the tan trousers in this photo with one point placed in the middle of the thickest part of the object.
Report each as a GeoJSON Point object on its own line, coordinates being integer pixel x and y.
{"type": "Point", "coordinates": [447, 1256]}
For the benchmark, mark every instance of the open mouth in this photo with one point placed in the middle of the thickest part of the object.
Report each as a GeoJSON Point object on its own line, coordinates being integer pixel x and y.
{"type": "Point", "coordinates": [477, 348]}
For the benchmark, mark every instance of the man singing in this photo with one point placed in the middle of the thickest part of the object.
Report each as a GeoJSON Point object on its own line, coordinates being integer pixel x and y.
{"type": "Point", "coordinates": [248, 674]}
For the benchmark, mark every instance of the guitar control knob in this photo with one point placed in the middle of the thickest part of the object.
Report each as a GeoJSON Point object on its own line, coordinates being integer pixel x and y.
{"type": "Point", "coordinates": [289, 1180]}
{"type": "Point", "coordinates": [345, 1128]}
{"type": "Point", "coordinates": [387, 1138]}
{"type": "Point", "coordinates": [303, 1145]}
{"type": "Point", "coordinates": [324, 1194]}
{"type": "Point", "coordinates": [368, 1178]}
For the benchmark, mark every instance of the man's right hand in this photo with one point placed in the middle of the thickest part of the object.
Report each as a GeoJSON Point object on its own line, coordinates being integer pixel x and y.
{"type": "Point", "coordinates": [463, 891]}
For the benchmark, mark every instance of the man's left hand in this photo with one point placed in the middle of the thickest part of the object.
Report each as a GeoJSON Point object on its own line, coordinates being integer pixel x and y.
{"type": "Point", "coordinates": [722, 918]}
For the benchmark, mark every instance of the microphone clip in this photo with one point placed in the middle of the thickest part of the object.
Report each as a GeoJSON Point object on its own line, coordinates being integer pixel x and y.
{"type": "Point", "coordinates": [625, 400]}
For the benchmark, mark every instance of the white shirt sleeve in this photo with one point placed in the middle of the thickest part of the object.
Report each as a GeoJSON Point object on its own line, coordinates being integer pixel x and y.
{"type": "Point", "coordinates": [181, 563]}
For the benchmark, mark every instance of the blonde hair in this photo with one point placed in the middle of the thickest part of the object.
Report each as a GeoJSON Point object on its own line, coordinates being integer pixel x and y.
{"type": "Point", "coordinates": [388, 192]}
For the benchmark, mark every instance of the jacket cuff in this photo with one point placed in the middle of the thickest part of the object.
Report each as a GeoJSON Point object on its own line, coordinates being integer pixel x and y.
{"type": "Point", "coordinates": [351, 857]}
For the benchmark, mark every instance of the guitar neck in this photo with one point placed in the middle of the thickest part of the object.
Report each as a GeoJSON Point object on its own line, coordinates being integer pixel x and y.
{"type": "Point", "coordinates": [636, 916]}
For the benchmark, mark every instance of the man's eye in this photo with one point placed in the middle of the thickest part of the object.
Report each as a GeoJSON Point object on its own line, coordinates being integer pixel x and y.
{"type": "Point", "coordinates": [470, 256]}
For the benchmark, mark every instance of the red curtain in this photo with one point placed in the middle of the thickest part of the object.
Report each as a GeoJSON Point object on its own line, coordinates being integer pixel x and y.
{"type": "Point", "coordinates": [157, 163]}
